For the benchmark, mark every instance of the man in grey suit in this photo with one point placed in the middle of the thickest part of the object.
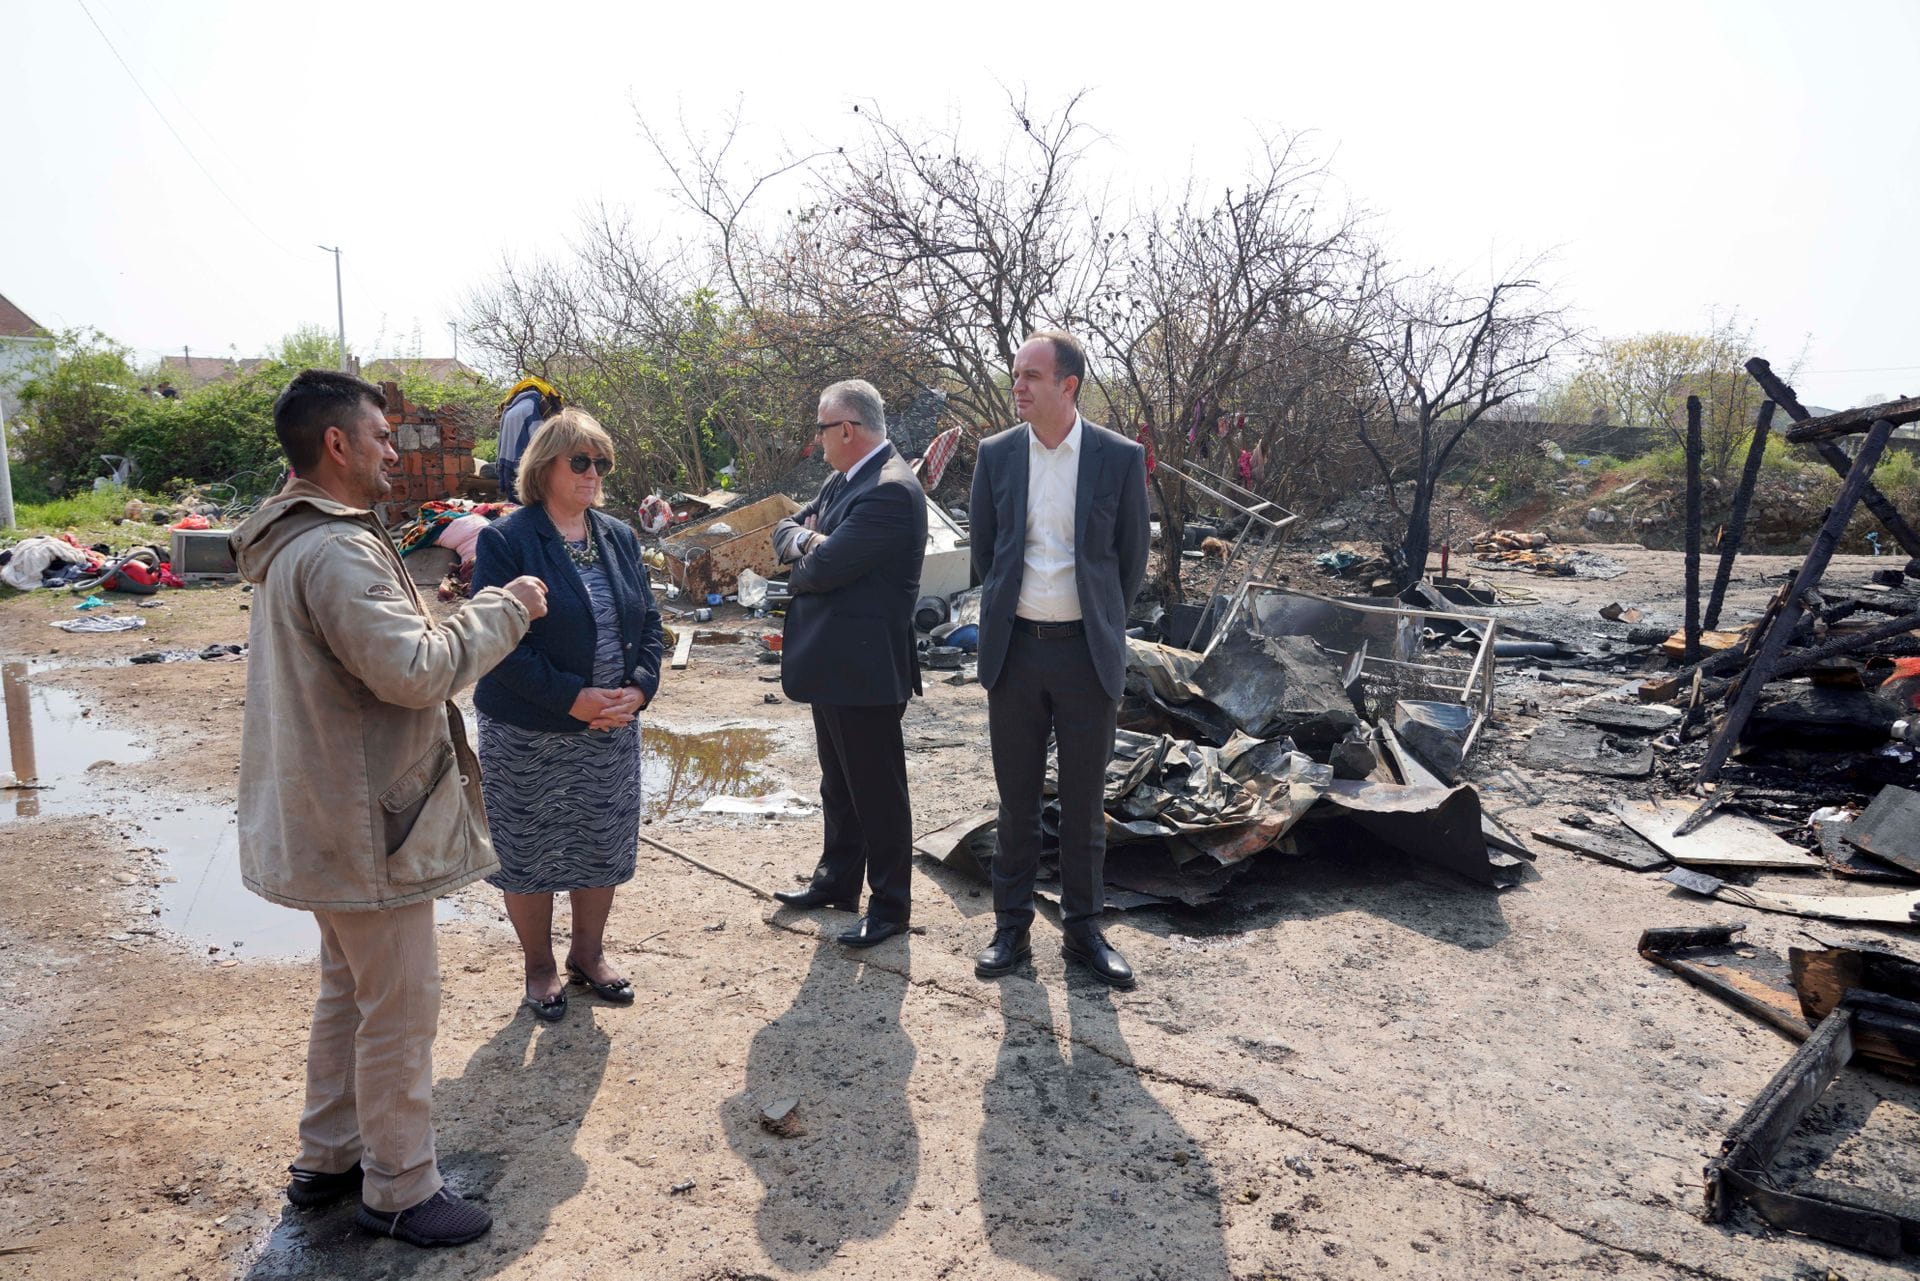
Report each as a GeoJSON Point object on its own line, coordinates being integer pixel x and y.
{"type": "Point", "coordinates": [1059, 537]}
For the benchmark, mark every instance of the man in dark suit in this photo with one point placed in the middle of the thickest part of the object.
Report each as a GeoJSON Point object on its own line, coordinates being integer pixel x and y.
{"type": "Point", "coordinates": [848, 650]}
{"type": "Point", "coordinates": [1059, 536]}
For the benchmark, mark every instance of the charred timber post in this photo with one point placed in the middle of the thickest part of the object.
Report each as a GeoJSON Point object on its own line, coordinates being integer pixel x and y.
{"type": "Point", "coordinates": [1811, 569]}
{"type": "Point", "coordinates": [1835, 457]}
{"type": "Point", "coordinates": [1692, 653]}
{"type": "Point", "coordinates": [1851, 422]}
{"type": "Point", "coordinates": [1737, 522]}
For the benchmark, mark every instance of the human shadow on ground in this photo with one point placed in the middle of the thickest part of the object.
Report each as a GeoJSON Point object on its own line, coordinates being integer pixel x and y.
{"type": "Point", "coordinates": [1332, 874]}
{"type": "Point", "coordinates": [844, 1169]}
{"type": "Point", "coordinates": [1083, 1174]}
{"type": "Point", "coordinates": [506, 1125]}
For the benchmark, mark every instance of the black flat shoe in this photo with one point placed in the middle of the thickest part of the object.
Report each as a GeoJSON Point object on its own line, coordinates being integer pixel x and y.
{"type": "Point", "coordinates": [1091, 949]}
{"type": "Point", "coordinates": [311, 1189]}
{"type": "Point", "coordinates": [1010, 946]}
{"type": "Point", "coordinates": [867, 931]}
{"type": "Point", "coordinates": [551, 1010]}
{"type": "Point", "coordinates": [441, 1219]}
{"type": "Point", "coordinates": [619, 992]}
{"type": "Point", "coordinates": [812, 897]}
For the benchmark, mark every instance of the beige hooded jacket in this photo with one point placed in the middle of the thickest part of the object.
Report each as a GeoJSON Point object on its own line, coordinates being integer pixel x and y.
{"type": "Point", "coordinates": [357, 787]}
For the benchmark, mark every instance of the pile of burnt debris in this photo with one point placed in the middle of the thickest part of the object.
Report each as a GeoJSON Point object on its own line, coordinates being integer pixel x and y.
{"type": "Point", "coordinates": [1277, 722]}
{"type": "Point", "coordinates": [1779, 745]}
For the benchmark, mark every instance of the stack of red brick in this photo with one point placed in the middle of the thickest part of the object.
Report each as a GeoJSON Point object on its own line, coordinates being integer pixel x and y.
{"type": "Point", "coordinates": [435, 448]}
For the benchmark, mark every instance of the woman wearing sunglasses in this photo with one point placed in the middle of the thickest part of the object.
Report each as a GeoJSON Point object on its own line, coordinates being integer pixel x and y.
{"type": "Point", "coordinates": [559, 734]}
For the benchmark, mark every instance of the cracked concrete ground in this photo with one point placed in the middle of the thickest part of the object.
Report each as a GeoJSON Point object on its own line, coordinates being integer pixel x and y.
{"type": "Point", "coordinates": [1362, 1068]}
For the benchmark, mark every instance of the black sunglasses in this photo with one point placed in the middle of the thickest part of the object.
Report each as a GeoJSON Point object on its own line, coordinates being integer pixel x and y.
{"type": "Point", "coordinates": [580, 463]}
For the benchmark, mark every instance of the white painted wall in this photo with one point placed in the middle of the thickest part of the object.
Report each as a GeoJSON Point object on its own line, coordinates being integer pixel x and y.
{"type": "Point", "coordinates": [16, 354]}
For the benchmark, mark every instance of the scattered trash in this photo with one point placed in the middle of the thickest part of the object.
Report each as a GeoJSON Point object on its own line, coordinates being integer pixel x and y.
{"type": "Point", "coordinates": [101, 623]}
{"type": "Point", "coordinates": [782, 1118]}
{"type": "Point", "coordinates": [781, 804]}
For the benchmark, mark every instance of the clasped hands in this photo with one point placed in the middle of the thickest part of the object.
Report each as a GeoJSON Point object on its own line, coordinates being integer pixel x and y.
{"type": "Point", "coordinates": [605, 709]}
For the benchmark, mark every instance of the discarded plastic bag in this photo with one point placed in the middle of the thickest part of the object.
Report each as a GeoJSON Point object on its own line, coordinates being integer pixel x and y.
{"type": "Point", "coordinates": [784, 803]}
{"type": "Point", "coordinates": [751, 589]}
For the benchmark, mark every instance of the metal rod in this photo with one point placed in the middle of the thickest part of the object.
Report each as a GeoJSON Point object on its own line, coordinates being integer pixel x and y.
{"type": "Point", "coordinates": [1736, 528]}
{"type": "Point", "coordinates": [705, 867]}
{"type": "Point", "coordinates": [1760, 671]}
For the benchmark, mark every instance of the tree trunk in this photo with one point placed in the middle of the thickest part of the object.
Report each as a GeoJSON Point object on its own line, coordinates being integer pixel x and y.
{"type": "Point", "coordinates": [1419, 536]}
{"type": "Point", "coordinates": [1173, 531]}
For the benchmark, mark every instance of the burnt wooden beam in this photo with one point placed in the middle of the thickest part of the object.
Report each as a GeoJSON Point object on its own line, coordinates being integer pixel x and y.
{"type": "Point", "coordinates": [1851, 422]}
{"type": "Point", "coordinates": [1835, 457]}
{"type": "Point", "coordinates": [1736, 529]}
{"type": "Point", "coordinates": [1784, 623]}
{"type": "Point", "coordinates": [1692, 652]}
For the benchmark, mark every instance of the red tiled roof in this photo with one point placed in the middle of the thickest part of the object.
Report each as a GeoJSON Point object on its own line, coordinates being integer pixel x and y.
{"type": "Point", "coordinates": [15, 323]}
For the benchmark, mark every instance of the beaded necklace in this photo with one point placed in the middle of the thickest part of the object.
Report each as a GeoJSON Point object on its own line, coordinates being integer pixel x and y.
{"type": "Point", "coordinates": [587, 555]}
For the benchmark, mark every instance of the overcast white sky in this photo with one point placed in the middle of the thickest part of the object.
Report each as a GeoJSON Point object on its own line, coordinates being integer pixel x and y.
{"type": "Point", "coordinates": [1678, 157]}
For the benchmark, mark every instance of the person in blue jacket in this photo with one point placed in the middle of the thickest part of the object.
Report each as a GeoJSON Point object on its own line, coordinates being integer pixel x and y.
{"type": "Point", "coordinates": [559, 728]}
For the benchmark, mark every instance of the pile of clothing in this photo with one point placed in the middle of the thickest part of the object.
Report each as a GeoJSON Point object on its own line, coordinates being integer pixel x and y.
{"type": "Point", "coordinates": [454, 524]}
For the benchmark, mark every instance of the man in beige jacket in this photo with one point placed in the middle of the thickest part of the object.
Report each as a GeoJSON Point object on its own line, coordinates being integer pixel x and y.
{"type": "Point", "coordinates": [360, 799]}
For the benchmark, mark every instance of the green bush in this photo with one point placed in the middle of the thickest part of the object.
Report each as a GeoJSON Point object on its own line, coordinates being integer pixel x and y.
{"type": "Point", "coordinates": [210, 433]}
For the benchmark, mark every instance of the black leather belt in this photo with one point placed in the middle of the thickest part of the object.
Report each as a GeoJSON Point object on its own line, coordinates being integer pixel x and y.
{"type": "Point", "coordinates": [1049, 631]}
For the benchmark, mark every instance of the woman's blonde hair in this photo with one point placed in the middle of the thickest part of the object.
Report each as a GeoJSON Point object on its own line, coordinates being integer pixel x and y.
{"type": "Point", "coordinates": [567, 433]}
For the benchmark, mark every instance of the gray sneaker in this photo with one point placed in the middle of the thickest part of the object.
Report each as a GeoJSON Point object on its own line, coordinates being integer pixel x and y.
{"type": "Point", "coordinates": [441, 1219]}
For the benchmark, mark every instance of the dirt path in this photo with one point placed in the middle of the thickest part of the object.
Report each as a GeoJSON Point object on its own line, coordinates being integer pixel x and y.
{"type": "Point", "coordinates": [1360, 1069]}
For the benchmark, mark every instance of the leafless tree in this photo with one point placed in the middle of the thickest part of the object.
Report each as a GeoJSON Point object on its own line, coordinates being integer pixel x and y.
{"type": "Point", "coordinates": [1222, 311]}
{"type": "Point", "coordinates": [1443, 356]}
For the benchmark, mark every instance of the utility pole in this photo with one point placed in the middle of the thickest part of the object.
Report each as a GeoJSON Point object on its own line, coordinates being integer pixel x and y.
{"type": "Point", "coordinates": [453, 327]}
{"type": "Point", "coordinates": [340, 303]}
{"type": "Point", "coordinates": [6, 480]}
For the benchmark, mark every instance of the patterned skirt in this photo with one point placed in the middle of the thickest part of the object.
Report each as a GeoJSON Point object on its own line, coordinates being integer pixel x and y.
{"type": "Point", "coordinates": [564, 809]}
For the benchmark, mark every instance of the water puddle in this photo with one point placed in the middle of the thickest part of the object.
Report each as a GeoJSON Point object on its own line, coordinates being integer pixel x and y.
{"type": "Point", "coordinates": [679, 771]}
{"type": "Point", "coordinates": [64, 762]}
{"type": "Point", "coordinates": [70, 764]}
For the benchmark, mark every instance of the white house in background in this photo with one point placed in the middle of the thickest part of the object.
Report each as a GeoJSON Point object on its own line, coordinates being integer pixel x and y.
{"type": "Point", "coordinates": [21, 343]}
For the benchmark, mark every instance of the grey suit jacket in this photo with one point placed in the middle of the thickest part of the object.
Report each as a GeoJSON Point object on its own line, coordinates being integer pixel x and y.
{"type": "Point", "coordinates": [1109, 543]}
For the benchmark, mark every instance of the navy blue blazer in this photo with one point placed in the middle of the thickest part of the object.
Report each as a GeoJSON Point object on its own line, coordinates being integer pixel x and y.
{"type": "Point", "coordinates": [535, 685]}
{"type": "Point", "coordinates": [849, 635]}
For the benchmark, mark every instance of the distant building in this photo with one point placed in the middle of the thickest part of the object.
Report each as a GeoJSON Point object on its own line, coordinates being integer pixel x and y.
{"type": "Point", "coordinates": [22, 341]}
{"type": "Point", "coordinates": [186, 372]}
{"type": "Point", "coordinates": [439, 369]}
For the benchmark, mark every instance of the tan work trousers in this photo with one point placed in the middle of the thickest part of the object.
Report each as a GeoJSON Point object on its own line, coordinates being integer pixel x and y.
{"type": "Point", "coordinates": [370, 1054]}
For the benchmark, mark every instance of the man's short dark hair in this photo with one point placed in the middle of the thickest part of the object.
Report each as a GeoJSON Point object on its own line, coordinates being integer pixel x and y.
{"type": "Point", "coordinates": [1069, 356]}
{"type": "Point", "coordinates": [315, 400]}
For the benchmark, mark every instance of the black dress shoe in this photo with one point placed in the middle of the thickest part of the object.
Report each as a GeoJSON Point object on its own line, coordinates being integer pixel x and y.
{"type": "Point", "coordinates": [867, 931]}
{"type": "Point", "coordinates": [1010, 946]}
{"type": "Point", "coordinates": [1091, 949]}
{"type": "Point", "coordinates": [813, 896]}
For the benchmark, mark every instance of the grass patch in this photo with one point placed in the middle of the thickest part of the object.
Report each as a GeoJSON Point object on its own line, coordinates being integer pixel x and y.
{"type": "Point", "coordinates": [87, 516]}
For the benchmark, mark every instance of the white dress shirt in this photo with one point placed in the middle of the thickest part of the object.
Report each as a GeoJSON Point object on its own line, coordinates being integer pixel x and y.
{"type": "Point", "coordinates": [1048, 593]}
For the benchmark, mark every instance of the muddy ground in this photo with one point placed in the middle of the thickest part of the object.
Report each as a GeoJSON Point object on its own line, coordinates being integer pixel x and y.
{"type": "Point", "coordinates": [1361, 1067]}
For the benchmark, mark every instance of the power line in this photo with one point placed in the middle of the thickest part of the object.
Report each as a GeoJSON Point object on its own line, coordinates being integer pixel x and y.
{"type": "Point", "coordinates": [177, 135]}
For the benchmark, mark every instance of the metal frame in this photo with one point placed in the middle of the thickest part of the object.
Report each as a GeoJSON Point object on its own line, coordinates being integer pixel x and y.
{"type": "Point", "coordinates": [1254, 507]}
{"type": "Point", "coordinates": [1478, 688]}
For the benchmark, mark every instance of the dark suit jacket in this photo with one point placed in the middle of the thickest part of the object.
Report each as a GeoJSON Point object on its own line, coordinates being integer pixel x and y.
{"type": "Point", "coordinates": [1109, 543]}
{"type": "Point", "coordinates": [535, 685]}
{"type": "Point", "coordinates": [849, 633]}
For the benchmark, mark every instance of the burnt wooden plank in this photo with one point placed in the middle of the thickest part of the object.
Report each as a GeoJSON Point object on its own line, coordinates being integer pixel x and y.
{"type": "Point", "coordinates": [1628, 718]}
{"type": "Point", "coordinates": [1756, 1137]}
{"type": "Point", "coordinates": [1626, 851]}
{"type": "Point", "coordinates": [1752, 981]}
{"type": "Point", "coordinates": [1836, 457]}
{"type": "Point", "coordinates": [1851, 422]}
{"type": "Point", "coordinates": [1890, 828]}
